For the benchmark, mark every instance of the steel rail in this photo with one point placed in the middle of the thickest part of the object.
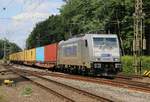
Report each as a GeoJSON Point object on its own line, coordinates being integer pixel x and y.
{"type": "Point", "coordinates": [129, 84]}
{"type": "Point", "coordinates": [129, 77]}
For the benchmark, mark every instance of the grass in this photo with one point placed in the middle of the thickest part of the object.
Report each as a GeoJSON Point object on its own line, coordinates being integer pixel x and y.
{"type": "Point", "coordinates": [2, 98]}
{"type": "Point", "coordinates": [1, 60]}
{"type": "Point", "coordinates": [27, 91]}
{"type": "Point", "coordinates": [128, 68]}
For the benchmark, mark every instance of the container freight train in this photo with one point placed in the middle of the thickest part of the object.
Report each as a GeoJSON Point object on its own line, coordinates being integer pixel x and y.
{"type": "Point", "coordinates": [95, 54]}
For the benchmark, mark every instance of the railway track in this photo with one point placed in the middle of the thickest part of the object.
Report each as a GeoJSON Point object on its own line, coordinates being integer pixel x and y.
{"type": "Point", "coordinates": [128, 77]}
{"type": "Point", "coordinates": [118, 82]}
{"type": "Point", "coordinates": [86, 96]}
{"type": "Point", "coordinates": [44, 87]}
{"type": "Point", "coordinates": [3, 71]}
{"type": "Point", "coordinates": [123, 83]}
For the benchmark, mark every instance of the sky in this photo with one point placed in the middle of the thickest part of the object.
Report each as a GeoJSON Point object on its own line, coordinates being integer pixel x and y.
{"type": "Point", "coordinates": [19, 17]}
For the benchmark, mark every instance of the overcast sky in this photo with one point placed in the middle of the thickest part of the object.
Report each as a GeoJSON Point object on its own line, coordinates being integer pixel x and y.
{"type": "Point", "coordinates": [18, 17]}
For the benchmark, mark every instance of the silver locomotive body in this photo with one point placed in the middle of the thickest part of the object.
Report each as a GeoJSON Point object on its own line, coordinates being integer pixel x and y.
{"type": "Point", "coordinates": [97, 54]}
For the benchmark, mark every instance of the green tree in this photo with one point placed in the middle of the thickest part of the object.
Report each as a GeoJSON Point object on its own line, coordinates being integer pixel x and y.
{"type": "Point", "coordinates": [46, 32]}
{"type": "Point", "coordinates": [84, 16]}
{"type": "Point", "coordinates": [9, 48]}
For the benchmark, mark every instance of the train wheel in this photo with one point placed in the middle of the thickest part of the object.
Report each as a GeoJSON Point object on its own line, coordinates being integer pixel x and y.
{"type": "Point", "coordinates": [91, 72]}
{"type": "Point", "coordinates": [84, 72]}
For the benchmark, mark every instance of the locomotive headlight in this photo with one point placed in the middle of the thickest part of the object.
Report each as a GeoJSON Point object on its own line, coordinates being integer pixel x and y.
{"type": "Point", "coordinates": [117, 65]}
{"type": "Point", "coordinates": [98, 59]}
{"type": "Point", "coordinates": [97, 65]}
{"type": "Point", "coordinates": [116, 59]}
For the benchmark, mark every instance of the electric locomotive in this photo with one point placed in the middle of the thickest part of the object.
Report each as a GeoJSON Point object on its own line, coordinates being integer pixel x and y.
{"type": "Point", "coordinates": [97, 54]}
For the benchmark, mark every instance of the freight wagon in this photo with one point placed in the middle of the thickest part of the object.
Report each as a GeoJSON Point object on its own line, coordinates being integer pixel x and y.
{"type": "Point", "coordinates": [29, 56]}
{"type": "Point", "coordinates": [46, 56]}
{"type": "Point", "coordinates": [97, 54]}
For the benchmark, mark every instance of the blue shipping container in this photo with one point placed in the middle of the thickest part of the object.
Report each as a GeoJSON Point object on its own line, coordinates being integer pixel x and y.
{"type": "Point", "coordinates": [40, 54]}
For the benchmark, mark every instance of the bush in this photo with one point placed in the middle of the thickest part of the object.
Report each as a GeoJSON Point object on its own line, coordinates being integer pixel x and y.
{"type": "Point", "coordinates": [128, 68]}
{"type": "Point", "coordinates": [27, 91]}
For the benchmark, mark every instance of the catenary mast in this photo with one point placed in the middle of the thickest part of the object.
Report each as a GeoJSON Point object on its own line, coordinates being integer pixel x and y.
{"type": "Point", "coordinates": [138, 36]}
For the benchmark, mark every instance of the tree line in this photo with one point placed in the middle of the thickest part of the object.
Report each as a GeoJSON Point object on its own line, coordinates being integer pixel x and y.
{"type": "Point", "coordinates": [90, 16]}
{"type": "Point", "coordinates": [9, 48]}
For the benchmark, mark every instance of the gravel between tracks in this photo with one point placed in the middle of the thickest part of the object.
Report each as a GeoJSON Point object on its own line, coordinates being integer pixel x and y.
{"type": "Point", "coordinates": [122, 94]}
{"type": "Point", "coordinates": [65, 91]}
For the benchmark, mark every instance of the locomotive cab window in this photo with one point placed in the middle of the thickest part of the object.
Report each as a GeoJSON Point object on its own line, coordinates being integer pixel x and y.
{"type": "Point", "coordinates": [109, 42]}
{"type": "Point", "coordinates": [98, 42]}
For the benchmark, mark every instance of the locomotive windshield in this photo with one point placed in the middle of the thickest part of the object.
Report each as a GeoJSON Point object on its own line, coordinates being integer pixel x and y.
{"type": "Point", "coordinates": [108, 42]}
